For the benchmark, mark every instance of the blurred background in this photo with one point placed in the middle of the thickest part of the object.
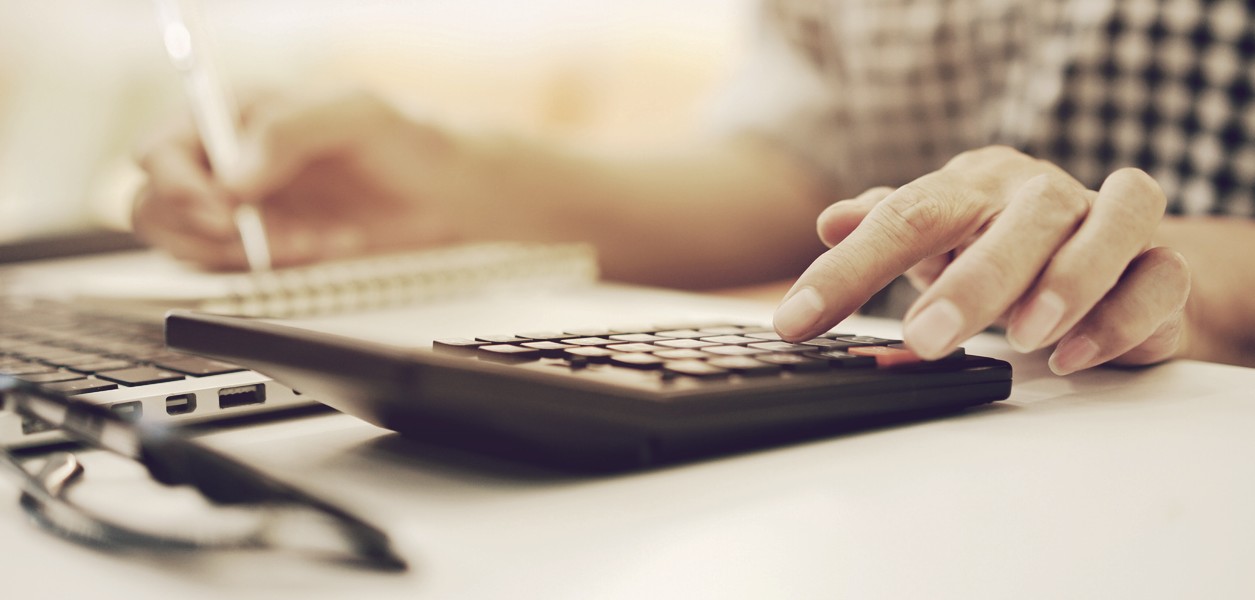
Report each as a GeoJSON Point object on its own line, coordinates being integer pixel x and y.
{"type": "Point", "coordinates": [82, 82]}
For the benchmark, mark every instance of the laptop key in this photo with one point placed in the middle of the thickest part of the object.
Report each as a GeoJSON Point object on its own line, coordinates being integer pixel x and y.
{"type": "Point", "coordinates": [81, 386]}
{"type": "Point", "coordinates": [25, 368]}
{"type": "Point", "coordinates": [110, 364]}
{"type": "Point", "coordinates": [197, 366]}
{"type": "Point", "coordinates": [140, 376]}
{"type": "Point", "coordinates": [52, 377]}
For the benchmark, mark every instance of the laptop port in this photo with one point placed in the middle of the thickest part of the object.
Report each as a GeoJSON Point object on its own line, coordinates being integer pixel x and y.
{"type": "Point", "coordinates": [243, 395]}
{"type": "Point", "coordinates": [128, 411]}
{"type": "Point", "coordinates": [181, 404]}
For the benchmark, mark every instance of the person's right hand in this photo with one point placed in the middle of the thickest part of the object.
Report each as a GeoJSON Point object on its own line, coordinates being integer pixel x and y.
{"type": "Point", "coordinates": [333, 176]}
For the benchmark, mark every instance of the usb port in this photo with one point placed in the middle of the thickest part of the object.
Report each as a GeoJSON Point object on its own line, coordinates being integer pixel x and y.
{"type": "Point", "coordinates": [243, 395]}
{"type": "Point", "coordinates": [180, 404]}
{"type": "Point", "coordinates": [129, 411]}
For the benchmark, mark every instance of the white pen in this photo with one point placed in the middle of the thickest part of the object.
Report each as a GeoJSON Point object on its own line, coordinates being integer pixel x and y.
{"type": "Point", "coordinates": [214, 114]}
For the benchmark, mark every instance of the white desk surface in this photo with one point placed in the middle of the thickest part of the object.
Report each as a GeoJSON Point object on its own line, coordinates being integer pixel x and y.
{"type": "Point", "coordinates": [1107, 484]}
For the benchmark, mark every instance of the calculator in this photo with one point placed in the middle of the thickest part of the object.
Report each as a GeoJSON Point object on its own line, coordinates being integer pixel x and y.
{"type": "Point", "coordinates": [609, 398]}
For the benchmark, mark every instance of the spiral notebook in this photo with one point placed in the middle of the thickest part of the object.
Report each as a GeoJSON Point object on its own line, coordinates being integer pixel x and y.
{"type": "Point", "coordinates": [148, 284]}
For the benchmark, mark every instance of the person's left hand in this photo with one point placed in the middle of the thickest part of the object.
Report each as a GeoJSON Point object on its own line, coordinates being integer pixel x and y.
{"type": "Point", "coordinates": [996, 236]}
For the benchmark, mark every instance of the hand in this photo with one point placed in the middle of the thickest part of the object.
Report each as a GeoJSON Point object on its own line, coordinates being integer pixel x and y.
{"type": "Point", "coordinates": [333, 176]}
{"type": "Point", "coordinates": [997, 236]}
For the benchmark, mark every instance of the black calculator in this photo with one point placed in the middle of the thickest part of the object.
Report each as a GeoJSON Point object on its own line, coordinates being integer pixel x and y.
{"type": "Point", "coordinates": [612, 398]}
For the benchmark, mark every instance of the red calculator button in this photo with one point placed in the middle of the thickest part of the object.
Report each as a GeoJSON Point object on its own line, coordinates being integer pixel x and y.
{"type": "Point", "coordinates": [886, 356]}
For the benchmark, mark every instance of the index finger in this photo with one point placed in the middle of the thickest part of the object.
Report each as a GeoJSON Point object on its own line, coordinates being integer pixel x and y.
{"type": "Point", "coordinates": [924, 218]}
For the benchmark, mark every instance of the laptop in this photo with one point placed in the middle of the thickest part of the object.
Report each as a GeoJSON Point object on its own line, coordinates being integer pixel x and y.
{"type": "Point", "coordinates": [113, 358]}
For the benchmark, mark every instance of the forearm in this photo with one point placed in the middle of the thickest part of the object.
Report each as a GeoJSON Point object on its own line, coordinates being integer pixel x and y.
{"type": "Point", "coordinates": [1221, 309]}
{"type": "Point", "coordinates": [716, 216]}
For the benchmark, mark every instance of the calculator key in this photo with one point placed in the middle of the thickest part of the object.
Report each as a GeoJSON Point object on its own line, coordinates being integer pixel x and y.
{"type": "Point", "coordinates": [720, 330]}
{"type": "Point", "coordinates": [766, 336]}
{"type": "Point", "coordinates": [636, 337]}
{"type": "Point", "coordinates": [745, 365]}
{"type": "Point", "coordinates": [549, 349]}
{"type": "Point", "coordinates": [886, 356]}
{"type": "Point", "coordinates": [636, 360]}
{"type": "Point", "coordinates": [507, 353]}
{"type": "Point", "coordinates": [732, 350]}
{"type": "Point", "coordinates": [685, 343]}
{"type": "Point", "coordinates": [845, 360]}
{"type": "Point", "coordinates": [958, 353]}
{"type": "Point", "coordinates": [748, 329]}
{"type": "Point", "coordinates": [734, 340]}
{"type": "Point", "coordinates": [638, 347]}
{"type": "Point", "coordinates": [457, 345]}
{"type": "Point", "coordinates": [835, 334]}
{"type": "Point", "coordinates": [588, 354]}
{"type": "Point", "coordinates": [587, 332]}
{"type": "Point", "coordinates": [501, 339]}
{"type": "Point", "coordinates": [589, 341]}
{"type": "Point", "coordinates": [680, 334]}
{"type": "Point", "coordinates": [829, 344]}
{"type": "Point", "coordinates": [544, 336]}
{"type": "Point", "coordinates": [81, 386]}
{"type": "Point", "coordinates": [682, 354]}
{"type": "Point", "coordinates": [867, 340]}
{"type": "Point", "coordinates": [693, 368]}
{"type": "Point", "coordinates": [140, 376]}
{"type": "Point", "coordinates": [781, 347]}
{"type": "Point", "coordinates": [794, 361]}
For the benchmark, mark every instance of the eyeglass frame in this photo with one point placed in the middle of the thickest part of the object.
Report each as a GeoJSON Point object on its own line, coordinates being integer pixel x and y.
{"type": "Point", "coordinates": [172, 460]}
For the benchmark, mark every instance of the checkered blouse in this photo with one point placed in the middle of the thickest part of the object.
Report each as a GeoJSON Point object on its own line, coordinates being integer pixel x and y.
{"type": "Point", "coordinates": [878, 92]}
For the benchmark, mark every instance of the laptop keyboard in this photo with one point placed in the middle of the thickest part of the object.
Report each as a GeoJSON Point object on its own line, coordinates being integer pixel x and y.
{"type": "Point", "coordinates": [79, 352]}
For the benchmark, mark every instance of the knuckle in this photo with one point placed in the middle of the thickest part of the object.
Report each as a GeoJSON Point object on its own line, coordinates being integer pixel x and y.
{"type": "Point", "coordinates": [985, 156]}
{"type": "Point", "coordinates": [913, 213]}
{"type": "Point", "coordinates": [1058, 196]}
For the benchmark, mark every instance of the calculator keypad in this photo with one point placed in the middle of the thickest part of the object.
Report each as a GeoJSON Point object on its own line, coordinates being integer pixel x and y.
{"type": "Point", "coordinates": [695, 351]}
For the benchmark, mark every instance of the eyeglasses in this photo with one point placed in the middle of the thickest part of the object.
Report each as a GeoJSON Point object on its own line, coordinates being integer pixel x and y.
{"type": "Point", "coordinates": [280, 515]}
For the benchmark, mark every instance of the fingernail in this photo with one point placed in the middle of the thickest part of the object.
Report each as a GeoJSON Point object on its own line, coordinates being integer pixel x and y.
{"type": "Point", "coordinates": [932, 332]}
{"type": "Point", "coordinates": [1073, 354]}
{"type": "Point", "coordinates": [1036, 322]}
{"type": "Point", "coordinates": [797, 315]}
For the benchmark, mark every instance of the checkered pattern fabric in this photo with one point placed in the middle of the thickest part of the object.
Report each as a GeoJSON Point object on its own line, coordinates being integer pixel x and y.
{"type": "Point", "coordinates": [878, 92]}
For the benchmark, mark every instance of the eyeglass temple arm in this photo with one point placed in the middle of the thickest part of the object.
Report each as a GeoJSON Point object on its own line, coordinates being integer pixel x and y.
{"type": "Point", "coordinates": [175, 460]}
